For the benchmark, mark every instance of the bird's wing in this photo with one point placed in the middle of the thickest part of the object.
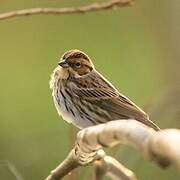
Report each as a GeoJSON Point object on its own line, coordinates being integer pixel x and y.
{"type": "Point", "coordinates": [103, 95]}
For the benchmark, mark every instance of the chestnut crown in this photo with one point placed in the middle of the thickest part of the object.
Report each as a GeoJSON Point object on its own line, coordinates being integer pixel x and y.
{"type": "Point", "coordinates": [76, 62]}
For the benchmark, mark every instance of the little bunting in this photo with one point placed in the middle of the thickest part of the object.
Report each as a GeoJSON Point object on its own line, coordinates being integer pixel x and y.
{"type": "Point", "coordinates": [83, 97]}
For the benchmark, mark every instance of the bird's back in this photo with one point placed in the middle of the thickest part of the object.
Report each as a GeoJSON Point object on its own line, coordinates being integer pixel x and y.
{"type": "Point", "coordinates": [103, 103]}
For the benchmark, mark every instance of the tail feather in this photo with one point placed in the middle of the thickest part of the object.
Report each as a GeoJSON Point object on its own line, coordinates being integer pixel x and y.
{"type": "Point", "coordinates": [151, 124]}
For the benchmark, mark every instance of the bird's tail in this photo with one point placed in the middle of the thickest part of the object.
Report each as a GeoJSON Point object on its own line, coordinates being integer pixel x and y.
{"type": "Point", "coordinates": [151, 124]}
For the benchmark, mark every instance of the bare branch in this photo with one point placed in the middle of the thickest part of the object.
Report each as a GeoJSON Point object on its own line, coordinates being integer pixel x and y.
{"type": "Point", "coordinates": [65, 167]}
{"type": "Point", "coordinates": [69, 10]}
{"type": "Point", "coordinates": [107, 165]}
{"type": "Point", "coordinates": [166, 144]}
{"type": "Point", "coordinates": [161, 147]}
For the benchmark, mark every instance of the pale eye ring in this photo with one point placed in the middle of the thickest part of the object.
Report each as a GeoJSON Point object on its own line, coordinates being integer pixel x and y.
{"type": "Point", "coordinates": [78, 64]}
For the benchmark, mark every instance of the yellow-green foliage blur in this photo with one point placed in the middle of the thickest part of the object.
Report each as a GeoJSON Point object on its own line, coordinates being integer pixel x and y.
{"type": "Point", "coordinates": [136, 48]}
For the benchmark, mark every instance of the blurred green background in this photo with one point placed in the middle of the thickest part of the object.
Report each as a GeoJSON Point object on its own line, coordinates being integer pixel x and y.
{"type": "Point", "coordinates": [136, 48]}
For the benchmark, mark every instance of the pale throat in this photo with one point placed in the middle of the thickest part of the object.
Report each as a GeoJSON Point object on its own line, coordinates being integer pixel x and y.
{"type": "Point", "coordinates": [61, 73]}
{"type": "Point", "coordinates": [58, 73]}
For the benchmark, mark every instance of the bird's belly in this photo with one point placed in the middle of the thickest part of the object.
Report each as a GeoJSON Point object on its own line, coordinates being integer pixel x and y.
{"type": "Point", "coordinates": [63, 109]}
{"type": "Point", "coordinates": [69, 113]}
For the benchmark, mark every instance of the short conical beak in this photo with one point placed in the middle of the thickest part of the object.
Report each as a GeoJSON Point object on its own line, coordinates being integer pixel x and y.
{"type": "Point", "coordinates": [63, 63]}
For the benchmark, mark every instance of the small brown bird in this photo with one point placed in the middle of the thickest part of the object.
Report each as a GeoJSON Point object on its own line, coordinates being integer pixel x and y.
{"type": "Point", "coordinates": [83, 97]}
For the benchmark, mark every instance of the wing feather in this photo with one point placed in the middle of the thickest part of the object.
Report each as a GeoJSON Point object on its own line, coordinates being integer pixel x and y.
{"type": "Point", "coordinates": [102, 94]}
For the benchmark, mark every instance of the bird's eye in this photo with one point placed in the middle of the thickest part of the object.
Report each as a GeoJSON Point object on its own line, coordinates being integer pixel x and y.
{"type": "Point", "coordinates": [78, 64]}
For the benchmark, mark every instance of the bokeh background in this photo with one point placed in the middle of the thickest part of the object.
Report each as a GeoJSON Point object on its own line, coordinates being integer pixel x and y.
{"type": "Point", "coordinates": [137, 48]}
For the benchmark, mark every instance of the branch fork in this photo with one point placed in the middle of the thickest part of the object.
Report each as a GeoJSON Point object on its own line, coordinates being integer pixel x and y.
{"type": "Point", "coordinates": [160, 147]}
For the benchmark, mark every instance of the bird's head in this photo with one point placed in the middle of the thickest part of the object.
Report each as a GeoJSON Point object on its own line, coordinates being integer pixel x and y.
{"type": "Point", "coordinates": [76, 63]}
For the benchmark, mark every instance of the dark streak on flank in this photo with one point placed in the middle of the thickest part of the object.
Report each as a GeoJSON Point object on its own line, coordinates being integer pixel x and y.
{"type": "Point", "coordinates": [64, 98]}
{"type": "Point", "coordinates": [84, 114]}
{"type": "Point", "coordinates": [96, 121]}
{"type": "Point", "coordinates": [72, 99]}
{"type": "Point", "coordinates": [57, 94]}
{"type": "Point", "coordinates": [73, 112]}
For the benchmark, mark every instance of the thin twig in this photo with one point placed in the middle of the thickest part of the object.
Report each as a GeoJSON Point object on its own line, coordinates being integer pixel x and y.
{"type": "Point", "coordinates": [12, 169]}
{"type": "Point", "coordinates": [69, 10]}
{"type": "Point", "coordinates": [107, 165]}
{"type": "Point", "coordinates": [65, 167]}
{"type": "Point", "coordinates": [72, 137]}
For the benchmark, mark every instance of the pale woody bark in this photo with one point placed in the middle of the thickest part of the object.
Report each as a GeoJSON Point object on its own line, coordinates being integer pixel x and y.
{"type": "Point", "coordinates": [161, 147]}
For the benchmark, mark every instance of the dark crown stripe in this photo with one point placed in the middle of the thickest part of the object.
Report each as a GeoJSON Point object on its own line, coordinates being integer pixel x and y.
{"type": "Point", "coordinates": [75, 54]}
